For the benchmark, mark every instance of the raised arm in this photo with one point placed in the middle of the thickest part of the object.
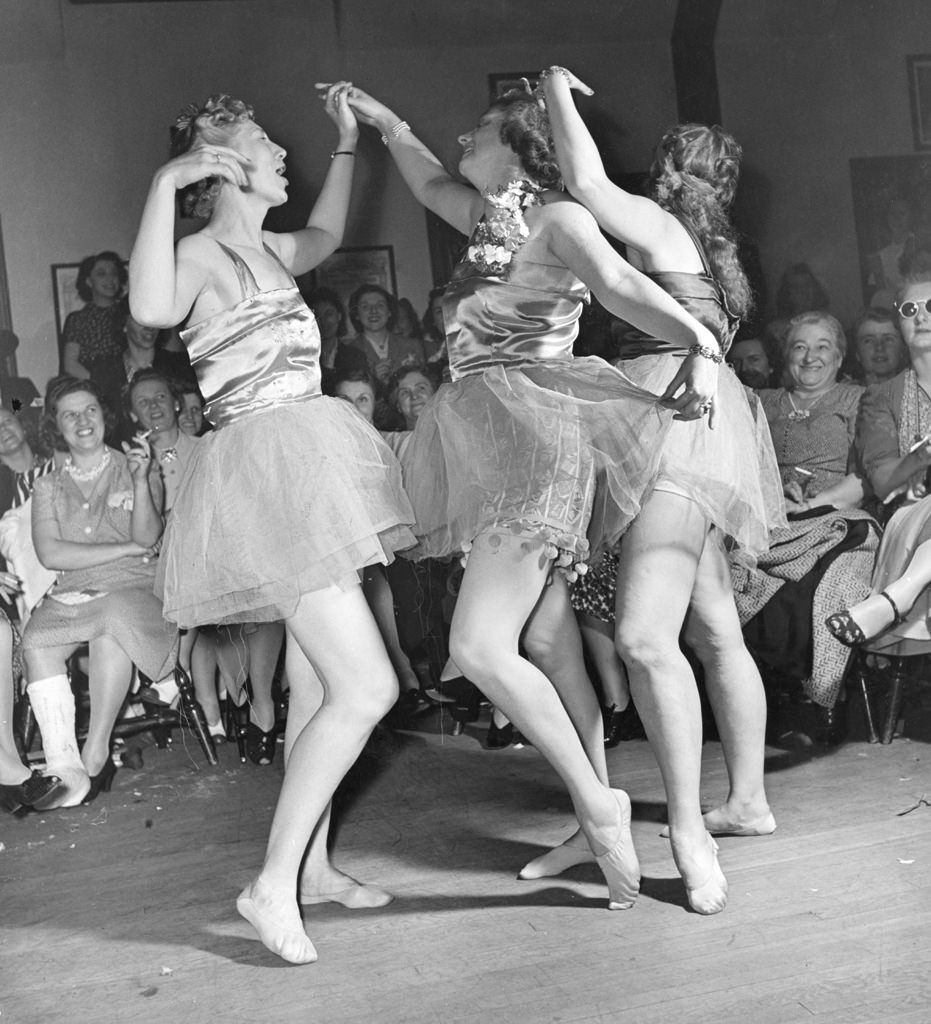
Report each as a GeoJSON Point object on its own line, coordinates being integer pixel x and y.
{"type": "Point", "coordinates": [303, 250]}
{"type": "Point", "coordinates": [163, 285]}
{"type": "Point", "coordinates": [430, 182]}
{"type": "Point", "coordinates": [636, 221]}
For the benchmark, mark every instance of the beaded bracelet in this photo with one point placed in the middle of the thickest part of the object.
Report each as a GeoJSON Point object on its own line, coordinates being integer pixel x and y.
{"type": "Point", "coordinates": [396, 130]}
{"type": "Point", "coordinates": [342, 152]}
{"type": "Point", "coordinates": [707, 352]}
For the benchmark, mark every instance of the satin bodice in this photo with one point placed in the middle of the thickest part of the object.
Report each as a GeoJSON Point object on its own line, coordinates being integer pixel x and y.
{"type": "Point", "coordinates": [530, 315]}
{"type": "Point", "coordinates": [262, 352]}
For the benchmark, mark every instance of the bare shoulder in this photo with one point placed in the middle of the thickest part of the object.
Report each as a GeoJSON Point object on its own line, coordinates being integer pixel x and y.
{"type": "Point", "coordinates": [561, 213]}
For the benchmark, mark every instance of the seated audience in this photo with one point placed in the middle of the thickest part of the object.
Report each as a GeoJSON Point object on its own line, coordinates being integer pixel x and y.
{"type": "Point", "coordinates": [408, 325]}
{"type": "Point", "coordinates": [336, 355]}
{"type": "Point", "coordinates": [96, 522]}
{"type": "Point", "coordinates": [830, 541]}
{"type": "Point", "coordinates": [191, 414]}
{"type": "Point", "coordinates": [799, 292]}
{"type": "Point", "coordinates": [894, 442]}
{"type": "Point", "coordinates": [93, 333]}
{"type": "Point", "coordinates": [879, 352]}
{"type": "Point", "coordinates": [434, 329]}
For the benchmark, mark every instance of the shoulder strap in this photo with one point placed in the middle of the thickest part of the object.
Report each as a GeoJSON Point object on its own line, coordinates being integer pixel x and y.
{"type": "Point", "coordinates": [247, 282]}
{"type": "Point", "coordinates": [706, 266]}
{"type": "Point", "coordinates": [271, 252]}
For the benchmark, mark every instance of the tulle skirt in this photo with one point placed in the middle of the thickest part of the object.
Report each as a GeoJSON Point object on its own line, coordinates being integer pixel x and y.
{"type": "Point", "coordinates": [730, 472]}
{"type": "Point", "coordinates": [280, 503]}
{"type": "Point", "coordinates": [559, 451]}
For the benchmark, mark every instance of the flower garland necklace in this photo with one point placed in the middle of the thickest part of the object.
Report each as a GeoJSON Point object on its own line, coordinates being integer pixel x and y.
{"type": "Point", "coordinates": [85, 475]}
{"type": "Point", "coordinates": [501, 233]}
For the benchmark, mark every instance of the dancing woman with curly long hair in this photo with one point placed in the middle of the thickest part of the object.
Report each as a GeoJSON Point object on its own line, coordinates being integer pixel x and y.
{"type": "Point", "coordinates": [717, 479]}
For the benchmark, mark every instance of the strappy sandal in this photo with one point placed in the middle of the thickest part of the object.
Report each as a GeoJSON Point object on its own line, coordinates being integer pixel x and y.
{"type": "Point", "coordinates": [260, 746]}
{"type": "Point", "coordinates": [843, 628]}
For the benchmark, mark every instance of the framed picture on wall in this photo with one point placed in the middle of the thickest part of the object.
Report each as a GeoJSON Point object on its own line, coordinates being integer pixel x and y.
{"type": "Point", "coordinates": [892, 215]}
{"type": "Point", "coordinates": [348, 268]}
{"type": "Point", "coordinates": [919, 90]}
{"type": "Point", "coordinates": [505, 81]}
{"type": "Point", "coordinates": [64, 293]}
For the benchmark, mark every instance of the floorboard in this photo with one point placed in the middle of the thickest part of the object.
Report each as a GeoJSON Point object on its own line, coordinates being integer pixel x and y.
{"type": "Point", "coordinates": [123, 911]}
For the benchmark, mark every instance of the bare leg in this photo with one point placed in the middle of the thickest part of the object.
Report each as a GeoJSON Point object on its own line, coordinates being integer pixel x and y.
{"type": "Point", "coordinates": [339, 637]}
{"type": "Point", "coordinates": [735, 691]}
{"type": "Point", "coordinates": [599, 641]}
{"type": "Point", "coordinates": [501, 586]}
{"type": "Point", "coordinates": [553, 642]}
{"type": "Point", "coordinates": [320, 881]}
{"type": "Point", "coordinates": [203, 660]}
{"type": "Point", "coordinates": [264, 645]}
{"type": "Point", "coordinates": [12, 769]}
{"type": "Point", "coordinates": [378, 594]}
{"type": "Point", "coordinates": [658, 564]}
{"type": "Point", "coordinates": [876, 613]}
{"type": "Point", "coordinates": [111, 672]}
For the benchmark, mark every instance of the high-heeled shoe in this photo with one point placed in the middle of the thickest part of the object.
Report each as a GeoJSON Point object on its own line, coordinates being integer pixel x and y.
{"type": "Point", "coordinates": [620, 865]}
{"type": "Point", "coordinates": [35, 788]}
{"type": "Point", "coordinates": [101, 782]}
{"type": "Point", "coordinates": [260, 746]}
{"type": "Point", "coordinates": [843, 627]}
{"type": "Point", "coordinates": [710, 895]}
{"type": "Point", "coordinates": [499, 736]}
{"type": "Point", "coordinates": [620, 726]}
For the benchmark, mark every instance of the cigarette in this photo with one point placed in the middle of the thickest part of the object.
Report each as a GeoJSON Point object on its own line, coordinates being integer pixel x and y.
{"type": "Point", "coordinates": [803, 471]}
{"type": "Point", "coordinates": [920, 444]}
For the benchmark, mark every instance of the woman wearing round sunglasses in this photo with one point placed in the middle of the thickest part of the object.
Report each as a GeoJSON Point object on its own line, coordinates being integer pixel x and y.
{"type": "Point", "coordinates": [894, 443]}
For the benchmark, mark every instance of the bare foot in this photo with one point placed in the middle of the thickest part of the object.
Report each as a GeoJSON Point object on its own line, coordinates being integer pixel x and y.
{"type": "Point", "coordinates": [726, 821]}
{"type": "Point", "coordinates": [337, 887]}
{"type": "Point", "coordinates": [575, 850]}
{"type": "Point", "coordinates": [276, 918]}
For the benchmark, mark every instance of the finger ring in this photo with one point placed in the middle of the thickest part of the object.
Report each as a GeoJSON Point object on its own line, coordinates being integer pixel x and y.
{"type": "Point", "coordinates": [216, 156]}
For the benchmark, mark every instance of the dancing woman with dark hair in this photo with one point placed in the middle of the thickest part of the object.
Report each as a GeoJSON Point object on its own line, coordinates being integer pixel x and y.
{"type": "Point", "coordinates": [292, 494]}
{"type": "Point", "coordinates": [673, 571]}
{"type": "Point", "coordinates": [503, 461]}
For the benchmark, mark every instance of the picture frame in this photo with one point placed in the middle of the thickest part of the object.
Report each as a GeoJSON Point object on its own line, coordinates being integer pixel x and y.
{"type": "Point", "coordinates": [505, 81]}
{"type": "Point", "coordinates": [65, 294]}
{"type": "Point", "coordinates": [892, 217]}
{"type": "Point", "coordinates": [352, 266]}
{"type": "Point", "coordinates": [919, 91]}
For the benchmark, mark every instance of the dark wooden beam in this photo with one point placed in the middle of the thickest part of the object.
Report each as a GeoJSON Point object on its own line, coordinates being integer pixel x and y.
{"type": "Point", "coordinates": [693, 61]}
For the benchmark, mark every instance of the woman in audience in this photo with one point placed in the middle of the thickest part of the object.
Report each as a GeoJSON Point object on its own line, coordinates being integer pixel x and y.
{"type": "Point", "coordinates": [93, 333]}
{"type": "Point", "coordinates": [503, 462]}
{"type": "Point", "coordinates": [830, 541]}
{"type": "Point", "coordinates": [894, 442]}
{"type": "Point", "coordinates": [879, 350]}
{"type": "Point", "coordinates": [95, 522]}
{"type": "Point", "coordinates": [408, 325]}
{"type": "Point", "coordinates": [713, 483]}
{"type": "Point", "coordinates": [799, 291]}
{"type": "Point", "coordinates": [292, 493]}
{"type": "Point", "coordinates": [373, 315]}
{"type": "Point", "coordinates": [191, 414]}
{"type": "Point", "coordinates": [336, 355]}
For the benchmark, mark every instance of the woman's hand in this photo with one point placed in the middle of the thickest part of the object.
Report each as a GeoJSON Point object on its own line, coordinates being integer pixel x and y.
{"type": "Point", "coordinates": [369, 110]}
{"type": "Point", "coordinates": [139, 456]}
{"type": "Point", "coordinates": [556, 72]}
{"type": "Point", "coordinates": [205, 161]}
{"type": "Point", "coordinates": [692, 391]}
{"type": "Point", "coordinates": [335, 96]}
{"type": "Point", "coordinates": [383, 371]}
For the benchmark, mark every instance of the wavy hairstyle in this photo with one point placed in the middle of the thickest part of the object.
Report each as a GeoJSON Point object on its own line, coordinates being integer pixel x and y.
{"type": "Point", "coordinates": [58, 388]}
{"type": "Point", "coordinates": [211, 122]}
{"type": "Point", "coordinates": [816, 316]}
{"type": "Point", "coordinates": [88, 264]}
{"type": "Point", "coordinates": [694, 176]}
{"type": "Point", "coordinates": [525, 127]}
{"type": "Point", "coordinates": [366, 289]}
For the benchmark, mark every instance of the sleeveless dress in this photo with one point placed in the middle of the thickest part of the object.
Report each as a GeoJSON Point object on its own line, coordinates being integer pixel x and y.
{"type": "Point", "coordinates": [293, 492]}
{"type": "Point", "coordinates": [730, 472]}
{"type": "Point", "coordinates": [526, 437]}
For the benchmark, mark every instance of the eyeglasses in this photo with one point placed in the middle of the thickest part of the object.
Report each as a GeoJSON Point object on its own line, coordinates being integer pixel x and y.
{"type": "Point", "coordinates": [910, 308]}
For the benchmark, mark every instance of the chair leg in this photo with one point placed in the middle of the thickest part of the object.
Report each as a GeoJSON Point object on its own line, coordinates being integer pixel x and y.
{"type": "Point", "coordinates": [897, 685]}
{"type": "Point", "coordinates": [867, 705]}
{"type": "Point", "coordinates": [192, 711]}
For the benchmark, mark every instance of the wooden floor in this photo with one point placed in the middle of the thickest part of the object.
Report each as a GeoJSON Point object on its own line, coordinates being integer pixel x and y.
{"type": "Point", "coordinates": [123, 911]}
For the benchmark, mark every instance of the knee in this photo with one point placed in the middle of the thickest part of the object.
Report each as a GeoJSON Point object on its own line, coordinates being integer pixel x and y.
{"type": "Point", "coordinates": [640, 646]}
{"type": "Point", "coordinates": [471, 656]}
{"type": "Point", "coordinates": [378, 697]}
{"type": "Point", "coordinates": [711, 644]}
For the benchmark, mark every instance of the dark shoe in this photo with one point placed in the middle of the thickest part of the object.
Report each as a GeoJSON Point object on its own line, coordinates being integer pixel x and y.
{"type": "Point", "coordinates": [829, 725]}
{"type": "Point", "coordinates": [101, 782]}
{"type": "Point", "coordinates": [520, 740]}
{"type": "Point", "coordinates": [260, 746]}
{"type": "Point", "coordinates": [28, 792]}
{"type": "Point", "coordinates": [498, 739]}
{"type": "Point", "coordinates": [621, 726]}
